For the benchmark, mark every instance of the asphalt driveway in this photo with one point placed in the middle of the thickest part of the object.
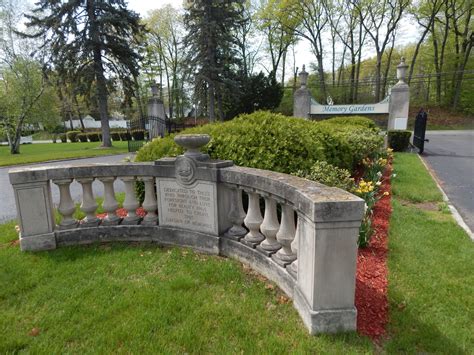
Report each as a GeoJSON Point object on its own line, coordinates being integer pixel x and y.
{"type": "Point", "coordinates": [450, 155]}
{"type": "Point", "coordinates": [7, 200]}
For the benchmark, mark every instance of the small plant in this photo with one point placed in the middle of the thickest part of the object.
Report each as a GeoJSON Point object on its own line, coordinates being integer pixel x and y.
{"type": "Point", "coordinates": [94, 136]}
{"type": "Point", "coordinates": [72, 136]}
{"type": "Point", "coordinates": [329, 175]}
{"type": "Point", "coordinates": [63, 137]}
{"type": "Point", "coordinates": [399, 140]}
{"type": "Point", "coordinates": [82, 137]}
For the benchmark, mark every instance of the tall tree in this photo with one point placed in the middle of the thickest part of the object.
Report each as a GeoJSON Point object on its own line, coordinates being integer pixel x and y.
{"type": "Point", "coordinates": [91, 39]}
{"type": "Point", "coordinates": [383, 17]}
{"type": "Point", "coordinates": [210, 25]}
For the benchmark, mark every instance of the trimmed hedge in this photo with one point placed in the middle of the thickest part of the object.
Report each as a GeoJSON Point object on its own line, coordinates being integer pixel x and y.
{"type": "Point", "coordinates": [94, 136]}
{"type": "Point", "coordinates": [82, 137]}
{"type": "Point", "coordinates": [124, 136]}
{"type": "Point", "coordinates": [352, 120]}
{"type": "Point", "coordinates": [63, 137]}
{"type": "Point", "coordinates": [138, 134]}
{"type": "Point", "coordinates": [72, 136]}
{"type": "Point", "coordinates": [275, 142]}
{"type": "Point", "coordinates": [399, 140]}
{"type": "Point", "coordinates": [115, 136]}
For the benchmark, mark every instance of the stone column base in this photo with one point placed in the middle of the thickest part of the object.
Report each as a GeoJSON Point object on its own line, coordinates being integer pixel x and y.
{"type": "Point", "coordinates": [327, 320]}
{"type": "Point", "coordinates": [38, 242]}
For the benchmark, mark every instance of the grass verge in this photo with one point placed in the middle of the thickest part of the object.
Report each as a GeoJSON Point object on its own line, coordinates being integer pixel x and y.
{"type": "Point", "coordinates": [32, 153]}
{"type": "Point", "coordinates": [430, 268]}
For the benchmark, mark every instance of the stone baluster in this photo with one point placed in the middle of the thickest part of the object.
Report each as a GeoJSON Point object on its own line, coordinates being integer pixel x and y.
{"type": "Point", "coordinates": [285, 236]}
{"type": "Point", "coordinates": [293, 267]}
{"type": "Point", "coordinates": [236, 215]}
{"type": "Point", "coordinates": [149, 203]}
{"type": "Point", "coordinates": [253, 220]}
{"type": "Point", "coordinates": [131, 202]}
{"type": "Point", "coordinates": [66, 205]}
{"type": "Point", "coordinates": [88, 205]}
{"type": "Point", "coordinates": [110, 204]}
{"type": "Point", "coordinates": [269, 228]}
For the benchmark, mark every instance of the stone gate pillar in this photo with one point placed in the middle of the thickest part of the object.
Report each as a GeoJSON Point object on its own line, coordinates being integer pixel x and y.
{"type": "Point", "coordinates": [302, 97]}
{"type": "Point", "coordinates": [156, 114]}
{"type": "Point", "coordinates": [399, 100]}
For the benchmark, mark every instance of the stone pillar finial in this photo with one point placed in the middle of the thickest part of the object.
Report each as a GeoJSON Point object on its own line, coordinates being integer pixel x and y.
{"type": "Point", "coordinates": [402, 71]}
{"type": "Point", "coordinates": [303, 77]}
{"type": "Point", "coordinates": [154, 88]}
{"type": "Point", "coordinates": [192, 143]}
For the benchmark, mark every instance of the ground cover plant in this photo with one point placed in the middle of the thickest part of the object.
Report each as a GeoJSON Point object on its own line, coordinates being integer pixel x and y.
{"type": "Point", "coordinates": [31, 153]}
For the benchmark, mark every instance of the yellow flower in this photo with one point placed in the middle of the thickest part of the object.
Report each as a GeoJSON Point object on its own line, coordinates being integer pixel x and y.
{"type": "Point", "coordinates": [389, 150]}
{"type": "Point", "coordinates": [386, 193]}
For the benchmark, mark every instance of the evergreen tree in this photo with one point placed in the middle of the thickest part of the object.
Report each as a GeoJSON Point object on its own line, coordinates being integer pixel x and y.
{"type": "Point", "coordinates": [90, 39]}
{"type": "Point", "coordinates": [210, 41]}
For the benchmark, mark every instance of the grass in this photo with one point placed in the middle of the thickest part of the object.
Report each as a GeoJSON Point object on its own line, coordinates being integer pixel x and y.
{"type": "Point", "coordinates": [141, 298]}
{"type": "Point", "coordinates": [32, 153]}
{"type": "Point", "coordinates": [132, 298]}
{"type": "Point", "coordinates": [431, 263]}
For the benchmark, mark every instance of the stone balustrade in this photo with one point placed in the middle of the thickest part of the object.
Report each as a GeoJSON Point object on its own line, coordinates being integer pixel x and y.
{"type": "Point", "coordinates": [298, 233]}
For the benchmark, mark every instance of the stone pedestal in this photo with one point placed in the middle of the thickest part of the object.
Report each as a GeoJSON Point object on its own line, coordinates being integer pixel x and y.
{"type": "Point", "coordinates": [399, 100]}
{"type": "Point", "coordinates": [156, 114]}
{"type": "Point", "coordinates": [302, 98]}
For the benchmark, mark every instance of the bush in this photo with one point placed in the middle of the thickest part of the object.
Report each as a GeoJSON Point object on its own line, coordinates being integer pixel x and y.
{"type": "Point", "coordinates": [63, 137]}
{"type": "Point", "coordinates": [94, 136]}
{"type": "Point", "coordinates": [138, 134]}
{"type": "Point", "coordinates": [275, 142]}
{"type": "Point", "coordinates": [353, 121]}
{"type": "Point", "coordinates": [124, 136]}
{"type": "Point", "coordinates": [399, 140]}
{"type": "Point", "coordinates": [329, 175]}
{"type": "Point", "coordinates": [72, 136]}
{"type": "Point", "coordinates": [82, 137]}
{"type": "Point", "coordinates": [115, 136]}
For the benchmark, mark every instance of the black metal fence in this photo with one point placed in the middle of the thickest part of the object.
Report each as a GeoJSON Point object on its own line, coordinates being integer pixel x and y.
{"type": "Point", "coordinates": [143, 129]}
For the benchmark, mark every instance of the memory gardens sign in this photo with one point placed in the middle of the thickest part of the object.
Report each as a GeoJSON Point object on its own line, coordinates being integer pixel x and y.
{"type": "Point", "coordinates": [396, 104]}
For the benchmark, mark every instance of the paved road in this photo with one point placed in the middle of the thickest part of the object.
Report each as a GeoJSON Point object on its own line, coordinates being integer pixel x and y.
{"type": "Point", "coordinates": [7, 200]}
{"type": "Point", "coordinates": [450, 154]}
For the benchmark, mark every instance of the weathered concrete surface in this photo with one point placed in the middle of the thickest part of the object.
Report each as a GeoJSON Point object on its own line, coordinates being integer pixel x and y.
{"type": "Point", "coordinates": [7, 203]}
{"type": "Point", "coordinates": [450, 155]}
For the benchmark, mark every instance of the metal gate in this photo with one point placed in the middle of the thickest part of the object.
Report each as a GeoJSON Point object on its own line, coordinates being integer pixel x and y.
{"type": "Point", "coordinates": [420, 130]}
{"type": "Point", "coordinates": [143, 129]}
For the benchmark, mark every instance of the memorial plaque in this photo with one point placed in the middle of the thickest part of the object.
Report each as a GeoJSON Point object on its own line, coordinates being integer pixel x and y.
{"type": "Point", "coordinates": [190, 207]}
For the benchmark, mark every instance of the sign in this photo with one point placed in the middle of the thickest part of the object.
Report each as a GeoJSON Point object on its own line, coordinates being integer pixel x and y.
{"type": "Point", "coordinates": [190, 207]}
{"type": "Point", "coordinates": [378, 108]}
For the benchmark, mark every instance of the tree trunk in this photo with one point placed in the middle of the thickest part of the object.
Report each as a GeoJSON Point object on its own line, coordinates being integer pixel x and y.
{"type": "Point", "coordinates": [210, 93]}
{"type": "Point", "coordinates": [457, 89]}
{"type": "Point", "coordinates": [378, 73]}
{"type": "Point", "coordinates": [15, 142]}
{"type": "Point", "coordinates": [101, 86]}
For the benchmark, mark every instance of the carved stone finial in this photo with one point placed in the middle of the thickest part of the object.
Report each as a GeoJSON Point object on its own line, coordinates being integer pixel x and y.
{"type": "Point", "coordinates": [402, 71]}
{"type": "Point", "coordinates": [154, 88]}
{"type": "Point", "coordinates": [303, 77]}
{"type": "Point", "coordinates": [192, 143]}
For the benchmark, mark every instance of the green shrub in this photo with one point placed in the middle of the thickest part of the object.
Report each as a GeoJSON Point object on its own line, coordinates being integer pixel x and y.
{"type": "Point", "coordinates": [138, 134]}
{"type": "Point", "coordinates": [399, 140]}
{"type": "Point", "coordinates": [275, 142]}
{"type": "Point", "coordinates": [94, 136]}
{"type": "Point", "coordinates": [82, 137]}
{"type": "Point", "coordinates": [329, 175]}
{"type": "Point", "coordinates": [353, 121]}
{"type": "Point", "coordinates": [72, 136]}
{"type": "Point", "coordinates": [124, 136]}
{"type": "Point", "coordinates": [63, 137]}
{"type": "Point", "coordinates": [115, 136]}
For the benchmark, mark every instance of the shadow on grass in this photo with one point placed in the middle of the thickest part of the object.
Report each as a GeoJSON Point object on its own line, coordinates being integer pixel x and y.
{"type": "Point", "coordinates": [407, 333]}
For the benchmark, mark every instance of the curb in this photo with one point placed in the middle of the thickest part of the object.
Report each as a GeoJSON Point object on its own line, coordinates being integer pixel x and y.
{"type": "Point", "coordinates": [66, 159]}
{"type": "Point", "coordinates": [457, 217]}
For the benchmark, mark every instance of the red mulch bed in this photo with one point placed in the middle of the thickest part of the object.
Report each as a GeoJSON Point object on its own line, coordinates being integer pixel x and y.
{"type": "Point", "coordinates": [371, 282]}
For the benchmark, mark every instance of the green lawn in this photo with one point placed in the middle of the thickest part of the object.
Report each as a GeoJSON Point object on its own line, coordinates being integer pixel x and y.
{"type": "Point", "coordinates": [32, 153]}
{"type": "Point", "coordinates": [133, 298]}
{"type": "Point", "coordinates": [431, 264]}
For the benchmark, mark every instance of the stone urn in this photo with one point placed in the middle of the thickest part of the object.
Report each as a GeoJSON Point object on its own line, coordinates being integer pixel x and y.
{"type": "Point", "coordinates": [192, 143]}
